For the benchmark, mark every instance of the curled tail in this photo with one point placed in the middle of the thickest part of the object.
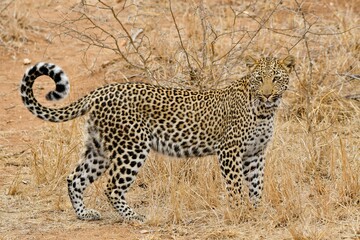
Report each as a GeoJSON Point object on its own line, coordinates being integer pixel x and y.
{"type": "Point", "coordinates": [76, 109]}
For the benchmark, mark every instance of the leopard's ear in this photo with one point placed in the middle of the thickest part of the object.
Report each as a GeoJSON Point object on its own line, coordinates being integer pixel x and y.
{"type": "Point", "coordinates": [250, 61]}
{"type": "Point", "coordinates": [288, 62]}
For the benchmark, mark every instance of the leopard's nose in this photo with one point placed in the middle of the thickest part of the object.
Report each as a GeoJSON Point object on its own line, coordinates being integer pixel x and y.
{"type": "Point", "coordinates": [267, 95]}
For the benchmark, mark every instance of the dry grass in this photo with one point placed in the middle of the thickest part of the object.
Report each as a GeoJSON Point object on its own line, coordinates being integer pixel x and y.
{"type": "Point", "coordinates": [312, 183]}
{"type": "Point", "coordinates": [15, 25]}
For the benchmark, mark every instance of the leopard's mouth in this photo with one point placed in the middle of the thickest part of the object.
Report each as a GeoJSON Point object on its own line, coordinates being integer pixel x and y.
{"type": "Point", "coordinates": [272, 101]}
{"type": "Point", "coordinates": [269, 103]}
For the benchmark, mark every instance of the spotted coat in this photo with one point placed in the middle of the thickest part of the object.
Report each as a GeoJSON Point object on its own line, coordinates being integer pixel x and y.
{"type": "Point", "coordinates": [126, 120]}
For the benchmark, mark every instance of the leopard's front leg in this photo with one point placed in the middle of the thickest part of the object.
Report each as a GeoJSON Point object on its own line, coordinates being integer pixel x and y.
{"type": "Point", "coordinates": [253, 170]}
{"type": "Point", "coordinates": [231, 170]}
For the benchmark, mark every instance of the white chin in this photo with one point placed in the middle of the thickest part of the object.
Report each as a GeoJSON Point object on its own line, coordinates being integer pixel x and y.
{"type": "Point", "coordinates": [270, 104]}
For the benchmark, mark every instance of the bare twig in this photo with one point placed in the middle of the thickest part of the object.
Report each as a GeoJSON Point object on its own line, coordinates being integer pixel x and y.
{"type": "Point", "coordinates": [180, 38]}
{"type": "Point", "coordinates": [129, 37]}
{"type": "Point", "coordinates": [351, 76]}
{"type": "Point", "coordinates": [261, 26]}
{"type": "Point", "coordinates": [202, 16]}
{"type": "Point", "coordinates": [6, 6]}
{"type": "Point", "coordinates": [104, 36]}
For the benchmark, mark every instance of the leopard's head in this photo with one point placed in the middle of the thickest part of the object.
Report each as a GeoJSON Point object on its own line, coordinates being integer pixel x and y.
{"type": "Point", "coordinates": [269, 78]}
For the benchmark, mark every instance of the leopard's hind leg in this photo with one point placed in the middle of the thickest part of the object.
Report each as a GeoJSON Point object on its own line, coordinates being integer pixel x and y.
{"type": "Point", "coordinates": [93, 164]}
{"type": "Point", "coordinates": [126, 160]}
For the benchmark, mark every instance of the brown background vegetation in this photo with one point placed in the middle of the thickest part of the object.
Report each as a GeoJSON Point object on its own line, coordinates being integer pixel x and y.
{"type": "Point", "coordinates": [312, 183]}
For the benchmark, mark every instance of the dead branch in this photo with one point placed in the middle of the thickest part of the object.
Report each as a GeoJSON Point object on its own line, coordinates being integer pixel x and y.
{"type": "Point", "coordinates": [6, 6]}
{"type": "Point", "coordinates": [180, 38]}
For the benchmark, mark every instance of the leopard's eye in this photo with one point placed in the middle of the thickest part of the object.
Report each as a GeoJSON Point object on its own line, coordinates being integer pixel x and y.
{"type": "Point", "coordinates": [259, 79]}
{"type": "Point", "coordinates": [276, 79]}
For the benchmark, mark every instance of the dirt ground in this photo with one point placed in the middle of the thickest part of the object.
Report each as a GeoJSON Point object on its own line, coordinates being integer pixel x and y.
{"type": "Point", "coordinates": [20, 216]}
{"type": "Point", "coordinates": [18, 130]}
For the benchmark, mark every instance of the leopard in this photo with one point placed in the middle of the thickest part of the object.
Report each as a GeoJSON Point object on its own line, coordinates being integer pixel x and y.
{"type": "Point", "coordinates": [124, 121]}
